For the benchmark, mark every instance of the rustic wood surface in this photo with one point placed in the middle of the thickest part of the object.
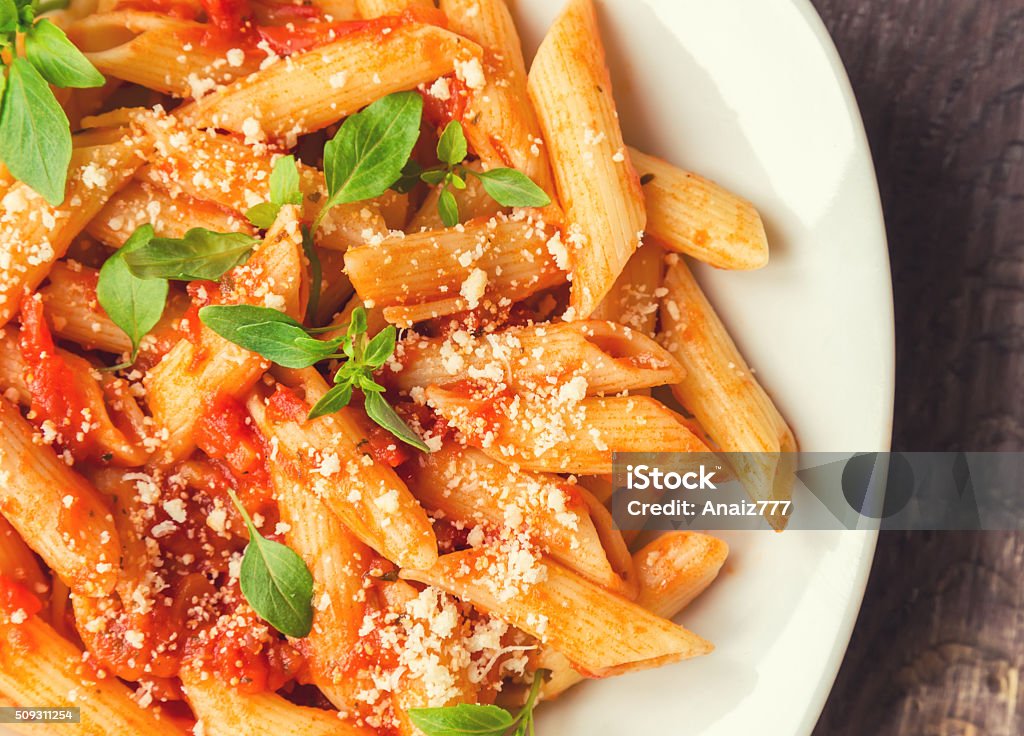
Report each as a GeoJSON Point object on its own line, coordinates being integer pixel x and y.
{"type": "Point", "coordinates": [939, 645]}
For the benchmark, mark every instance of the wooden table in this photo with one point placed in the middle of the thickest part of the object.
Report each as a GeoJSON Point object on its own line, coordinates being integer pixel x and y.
{"type": "Point", "coordinates": [939, 645]}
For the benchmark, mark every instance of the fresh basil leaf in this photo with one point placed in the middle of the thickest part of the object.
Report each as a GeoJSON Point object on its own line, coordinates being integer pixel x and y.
{"type": "Point", "coordinates": [316, 275]}
{"type": "Point", "coordinates": [8, 16]}
{"type": "Point", "coordinates": [348, 372]}
{"type": "Point", "coordinates": [201, 255]}
{"type": "Point", "coordinates": [451, 146]}
{"type": "Point", "coordinates": [263, 214]}
{"type": "Point", "coordinates": [276, 582]}
{"type": "Point", "coordinates": [463, 719]}
{"type": "Point", "coordinates": [284, 182]}
{"type": "Point", "coordinates": [433, 177]}
{"type": "Point", "coordinates": [334, 400]}
{"type": "Point", "coordinates": [409, 178]}
{"type": "Point", "coordinates": [267, 332]}
{"type": "Point", "coordinates": [35, 136]}
{"type": "Point", "coordinates": [456, 181]}
{"type": "Point", "coordinates": [380, 347]}
{"type": "Point", "coordinates": [511, 188]}
{"type": "Point", "coordinates": [371, 148]}
{"type": "Point", "coordinates": [357, 322]}
{"type": "Point", "coordinates": [366, 383]}
{"type": "Point", "coordinates": [57, 59]}
{"type": "Point", "coordinates": [378, 409]}
{"type": "Point", "coordinates": [448, 208]}
{"type": "Point", "coordinates": [133, 304]}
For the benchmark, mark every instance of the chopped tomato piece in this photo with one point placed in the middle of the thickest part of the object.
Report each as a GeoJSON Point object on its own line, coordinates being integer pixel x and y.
{"type": "Point", "coordinates": [223, 433]}
{"type": "Point", "coordinates": [286, 406]}
{"type": "Point", "coordinates": [229, 17]}
{"type": "Point", "coordinates": [56, 395]}
{"type": "Point", "coordinates": [285, 40]}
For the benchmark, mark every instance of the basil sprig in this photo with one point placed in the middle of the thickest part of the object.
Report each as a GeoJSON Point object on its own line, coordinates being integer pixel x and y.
{"type": "Point", "coordinates": [507, 187]}
{"type": "Point", "coordinates": [282, 340]}
{"type": "Point", "coordinates": [284, 189]}
{"type": "Point", "coordinates": [133, 304]}
{"type": "Point", "coordinates": [275, 581]}
{"type": "Point", "coordinates": [467, 719]}
{"type": "Point", "coordinates": [35, 135]}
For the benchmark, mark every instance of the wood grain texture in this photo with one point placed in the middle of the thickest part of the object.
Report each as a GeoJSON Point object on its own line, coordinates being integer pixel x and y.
{"type": "Point", "coordinates": [939, 645]}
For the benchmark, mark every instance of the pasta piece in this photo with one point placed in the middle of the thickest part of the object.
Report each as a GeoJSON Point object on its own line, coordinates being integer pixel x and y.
{"type": "Point", "coordinates": [470, 488]}
{"type": "Point", "coordinates": [613, 543]}
{"type": "Point", "coordinates": [490, 264]}
{"type": "Point", "coordinates": [672, 570]}
{"type": "Point", "coordinates": [191, 160]}
{"type": "Point", "coordinates": [692, 215]}
{"type": "Point", "coordinates": [60, 516]}
{"type": "Point", "coordinates": [633, 299]}
{"type": "Point", "coordinates": [223, 711]}
{"type": "Point", "coordinates": [597, 185]}
{"type": "Point", "coordinates": [39, 666]}
{"type": "Point", "coordinates": [601, 633]}
{"type": "Point", "coordinates": [160, 52]}
{"type": "Point", "coordinates": [337, 289]}
{"type": "Point", "coordinates": [564, 432]}
{"type": "Point", "coordinates": [500, 123]}
{"type": "Point", "coordinates": [75, 315]}
{"type": "Point", "coordinates": [338, 9]}
{"type": "Point", "coordinates": [110, 440]}
{"type": "Point", "coordinates": [333, 463]}
{"type": "Point", "coordinates": [34, 234]}
{"type": "Point", "coordinates": [610, 358]}
{"type": "Point", "coordinates": [141, 203]}
{"type": "Point", "coordinates": [337, 561]}
{"type": "Point", "coordinates": [194, 372]}
{"type": "Point", "coordinates": [720, 390]}
{"type": "Point", "coordinates": [314, 89]}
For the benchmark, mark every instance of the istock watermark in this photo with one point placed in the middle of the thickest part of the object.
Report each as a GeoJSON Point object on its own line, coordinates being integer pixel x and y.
{"type": "Point", "coordinates": [856, 490]}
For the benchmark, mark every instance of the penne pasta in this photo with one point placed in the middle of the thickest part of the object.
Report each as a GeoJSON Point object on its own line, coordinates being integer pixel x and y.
{"type": "Point", "coordinates": [633, 299]}
{"type": "Point", "coordinates": [367, 495]}
{"type": "Point", "coordinates": [599, 632]}
{"type": "Point", "coordinates": [691, 215]}
{"type": "Point", "coordinates": [723, 394]}
{"type": "Point", "coordinates": [193, 373]}
{"type": "Point", "coordinates": [597, 185]}
{"type": "Point", "coordinates": [60, 516]}
{"type": "Point", "coordinates": [38, 665]}
{"type": "Point", "coordinates": [489, 265]}
{"type": "Point", "coordinates": [33, 234]}
{"type": "Point", "coordinates": [18, 563]}
{"type": "Point", "coordinates": [609, 358]}
{"type": "Point", "coordinates": [564, 432]}
{"type": "Point", "coordinates": [312, 90]}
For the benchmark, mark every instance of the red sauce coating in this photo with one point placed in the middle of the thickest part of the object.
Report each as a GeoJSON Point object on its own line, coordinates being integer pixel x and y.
{"type": "Point", "coordinates": [224, 432]}
{"type": "Point", "coordinates": [286, 406]}
{"type": "Point", "coordinates": [56, 395]}
{"type": "Point", "coordinates": [16, 597]}
{"type": "Point", "coordinates": [439, 112]}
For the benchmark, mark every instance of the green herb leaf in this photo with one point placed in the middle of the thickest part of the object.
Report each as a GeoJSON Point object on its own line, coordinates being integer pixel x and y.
{"type": "Point", "coordinates": [35, 136]}
{"type": "Point", "coordinates": [334, 400]}
{"type": "Point", "coordinates": [456, 181]}
{"type": "Point", "coordinates": [380, 347]}
{"type": "Point", "coordinates": [451, 146]}
{"type": "Point", "coordinates": [433, 177]}
{"type": "Point", "coordinates": [371, 148]}
{"type": "Point", "coordinates": [357, 322]}
{"type": "Point", "coordinates": [263, 214]}
{"type": "Point", "coordinates": [201, 255]}
{"type": "Point", "coordinates": [269, 333]}
{"type": "Point", "coordinates": [133, 304]}
{"type": "Point", "coordinates": [511, 188]}
{"type": "Point", "coordinates": [448, 208]}
{"type": "Point", "coordinates": [409, 178]}
{"type": "Point", "coordinates": [463, 719]}
{"type": "Point", "coordinates": [276, 582]}
{"type": "Point", "coordinates": [57, 59]}
{"type": "Point", "coordinates": [316, 275]}
{"type": "Point", "coordinates": [8, 16]}
{"type": "Point", "coordinates": [284, 182]}
{"type": "Point", "coordinates": [378, 409]}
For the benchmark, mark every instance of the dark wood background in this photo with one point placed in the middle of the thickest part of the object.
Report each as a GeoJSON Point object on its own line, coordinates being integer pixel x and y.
{"type": "Point", "coordinates": [939, 645]}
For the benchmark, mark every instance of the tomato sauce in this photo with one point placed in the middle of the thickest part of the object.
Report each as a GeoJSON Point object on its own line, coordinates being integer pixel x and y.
{"type": "Point", "coordinates": [224, 432]}
{"type": "Point", "coordinates": [16, 597]}
{"type": "Point", "coordinates": [286, 406]}
{"type": "Point", "coordinates": [56, 395]}
{"type": "Point", "coordinates": [440, 112]}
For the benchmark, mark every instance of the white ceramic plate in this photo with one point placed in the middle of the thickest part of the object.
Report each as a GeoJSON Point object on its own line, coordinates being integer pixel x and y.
{"type": "Point", "coordinates": [752, 94]}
